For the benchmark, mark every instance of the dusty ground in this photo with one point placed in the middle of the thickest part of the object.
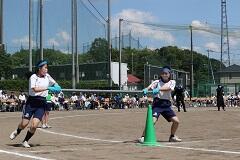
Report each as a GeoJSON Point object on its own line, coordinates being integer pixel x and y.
{"type": "Point", "coordinates": [111, 134]}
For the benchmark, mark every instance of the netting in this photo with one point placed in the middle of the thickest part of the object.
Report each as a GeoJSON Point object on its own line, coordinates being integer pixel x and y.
{"type": "Point", "coordinates": [206, 39]}
{"type": "Point", "coordinates": [205, 36]}
{"type": "Point", "coordinates": [92, 22]}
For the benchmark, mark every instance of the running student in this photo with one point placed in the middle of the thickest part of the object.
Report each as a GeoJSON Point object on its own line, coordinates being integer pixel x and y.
{"type": "Point", "coordinates": [161, 103]}
{"type": "Point", "coordinates": [48, 108]}
{"type": "Point", "coordinates": [39, 84]}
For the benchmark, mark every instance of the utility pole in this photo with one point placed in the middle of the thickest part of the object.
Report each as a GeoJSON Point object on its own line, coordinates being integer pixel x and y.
{"type": "Point", "coordinates": [130, 39]}
{"type": "Point", "coordinates": [191, 73]}
{"type": "Point", "coordinates": [30, 35]}
{"type": "Point", "coordinates": [120, 53]}
{"type": "Point", "coordinates": [41, 29]}
{"type": "Point", "coordinates": [73, 44]}
{"type": "Point", "coordinates": [211, 66]}
{"type": "Point", "coordinates": [224, 35]}
{"type": "Point", "coordinates": [1, 27]}
{"type": "Point", "coordinates": [208, 64]}
{"type": "Point", "coordinates": [132, 62]}
{"type": "Point", "coordinates": [149, 73]}
{"type": "Point", "coordinates": [109, 45]}
{"type": "Point", "coordinates": [138, 44]}
{"type": "Point", "coordinates": [76, 40]}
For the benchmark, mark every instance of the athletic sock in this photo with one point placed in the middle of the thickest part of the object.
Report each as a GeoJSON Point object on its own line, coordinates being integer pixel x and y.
{"type": "Point", "coordinates": [18, 130]}
{"type": "Point", "coordinates": [172, 135]}
{"type": "Point", "coordinates": [28, 136]}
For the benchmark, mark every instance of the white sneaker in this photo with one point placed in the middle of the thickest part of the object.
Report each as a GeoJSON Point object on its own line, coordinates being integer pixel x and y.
{"type": "Point", "coordinates": [141, 140]}
{"type": "Point", "coordinates": [13, 135]}
{"type": "Point", "coordinates": [175, 139]}
{"type": "Point", "coordinates": [44, 126]}
{"type": "Point", "coordinates": [48, 126]}
{"type": "Point", "coordinates": [25, 144]}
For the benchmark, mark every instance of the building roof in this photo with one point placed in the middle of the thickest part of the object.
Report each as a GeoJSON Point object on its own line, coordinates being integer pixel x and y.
{"type": "Point", "coordinates": [232, 68]}
{"type": "Point", "coordinates": [133, 79]}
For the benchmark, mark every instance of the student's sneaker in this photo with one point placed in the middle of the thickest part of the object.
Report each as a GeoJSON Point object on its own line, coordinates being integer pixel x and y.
{"type": "Point", "coordinates": [175, 139]}
{"type": "Point", "coordinates": [48, 126]}
{"type": "Point", "coordinates": [13, 135]}
{"type": "Point", "coordinates": [44, 126]}
{"type": "Point", "coordinates": [25, 144]}
{"type": "Point", "coordinates": [141, 140]}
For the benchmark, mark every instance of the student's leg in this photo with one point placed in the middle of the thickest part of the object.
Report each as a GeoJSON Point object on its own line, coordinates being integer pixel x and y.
{"type": "Point", "coordinates": [31, 131]}
{"type": "Point", "coordinates": [223, 107]}
{"type": "Point", "coordinates": [46, 118]}
{"type": "Point", "coordinates": [26, 116]}
{"type": "Point", "coordinates": [23, 124]}
{"type": "Point", "coordinates": [34, 125]}
{"type": "Point", "coordinates": [38, 115]}
{"type": "Point", "coordinates": [178, 105]}
{"type": "Point", "coordinates": [183, 104]}
{"type": "Point", "coordinates": [175, 123]}
{"type": "Point", "coordinates": [174, 127]}
{"type": "Point", "coordinates": [154, 122]}
{"type": "Point", "coordinates": [218, 105]}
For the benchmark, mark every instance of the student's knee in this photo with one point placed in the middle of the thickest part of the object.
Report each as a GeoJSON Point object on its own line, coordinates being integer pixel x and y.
{"type": "Point", "coordinates": [175, 120]}
{"type": "Point", "coordinates": [35, 123]}
{"type": "Point", "coordinates": [32, 129]}
{"type": "Point", "coordinates": [24, 123]}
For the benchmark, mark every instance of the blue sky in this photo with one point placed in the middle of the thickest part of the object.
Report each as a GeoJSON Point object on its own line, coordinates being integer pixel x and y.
{"type": "Point", "coordinates": [202, 13]}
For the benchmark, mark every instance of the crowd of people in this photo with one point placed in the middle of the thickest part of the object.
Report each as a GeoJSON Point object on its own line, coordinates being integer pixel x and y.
{"type": "Point", "coordinates": [12, 101]}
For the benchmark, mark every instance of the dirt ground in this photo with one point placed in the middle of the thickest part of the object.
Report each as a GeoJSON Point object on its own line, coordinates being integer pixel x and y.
{"type": "Point", "coordinates": [111, 134]}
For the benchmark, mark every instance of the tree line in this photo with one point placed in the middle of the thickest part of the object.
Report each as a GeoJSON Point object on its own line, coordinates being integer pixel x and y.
{"type": "Point", "coordinates": [135, 58]}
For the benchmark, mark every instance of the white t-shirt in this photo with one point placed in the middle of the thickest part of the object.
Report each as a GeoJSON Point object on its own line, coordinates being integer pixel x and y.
{"type": "Point", "coordinates": [83, 98]}
{"type": "Point", "coordinates": [22, 97]}
{"type": "Point", "coordinates": [164, 94]}
{"type": "Point", "coordinates": [74, 98]}
{"type": "Point", "coordinates": [42, 82]}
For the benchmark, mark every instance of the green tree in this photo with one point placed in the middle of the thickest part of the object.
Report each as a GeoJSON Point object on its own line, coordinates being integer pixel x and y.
{"type": "Point", "coordinates": [54, 57]}
{"type": "Point", "coordinates": [5, 65]}
{"type": "Point", "coordinates": [99, 50]}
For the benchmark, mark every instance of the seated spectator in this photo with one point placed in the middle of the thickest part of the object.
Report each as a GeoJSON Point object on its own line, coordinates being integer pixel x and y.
{"type": "Point", "coordinates": [12, 102]}
{"type": "Point", "coordinates": [63, 104]}
{"type": "Point", "coordinates": [75, 100]}
{"type": "Point", "coordinates": [22, 100]}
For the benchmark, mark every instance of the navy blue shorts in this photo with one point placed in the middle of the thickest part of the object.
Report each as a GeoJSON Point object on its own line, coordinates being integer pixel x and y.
{"type": "Point", "coordinates": [49, 106]}
{"type": "Point", "coordinates": [162, 107]}
{"type": "Point", "coordinates": [35, 107]}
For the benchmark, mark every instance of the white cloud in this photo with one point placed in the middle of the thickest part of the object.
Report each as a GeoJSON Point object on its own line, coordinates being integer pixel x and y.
{"type": "Point", "coordinates": [24, 41]}
{"type": "Point", "coordinates": [234, 42]}
{"type": "Point", "coordinates": [61, 38]}
{"type": "Point", "coordinates": [152, 48]}
{"type": "Point", "coordinates": [197, 49]}
{"type": "Point", "coordinates": [64, 51]}
{"type": "Point", "coordinates": [64, 37]}
{"type": "Point", "coordinates": [213, 46]}
{"type": "Point", "coordinates": [203, 29]}
{"type": "Point", "coordinates": [141, 29]}
{"type": "Point", "coordinates": [185, 47]}
{"type": "Point", "coordinates": [199, 24]}
{"type": "Point", "coordinates": [136, 15]}
{"type": "Point", "coordinates": [53, 41]}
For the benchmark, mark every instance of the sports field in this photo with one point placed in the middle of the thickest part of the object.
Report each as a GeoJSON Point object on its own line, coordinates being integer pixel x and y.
{"type": "Point", "coordinates": [112, 134]}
